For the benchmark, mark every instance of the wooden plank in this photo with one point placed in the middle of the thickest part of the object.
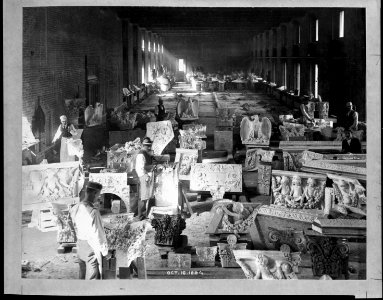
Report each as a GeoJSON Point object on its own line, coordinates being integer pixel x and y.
{"type": "Point", "coordinates": [214, 223]}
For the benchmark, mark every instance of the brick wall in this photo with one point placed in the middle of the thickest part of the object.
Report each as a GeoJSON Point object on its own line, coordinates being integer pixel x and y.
{"type": "Point", "coordinates": [55, 43]}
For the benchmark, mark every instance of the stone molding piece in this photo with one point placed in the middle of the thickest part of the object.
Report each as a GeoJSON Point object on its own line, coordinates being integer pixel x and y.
{"type": "Point", "coordinates": [269, 265]}
{"type": "Point", "coordinates": [255, 132]}
{"type": "Point", "coordinates": [208, 177]}
{"type": "Point", "coordinates": [185, 158]}
{"type": "Point", "coordinates": [298, 190]}
{"type": "Point", "coordinates": [179, 261]}
{"type": "Point", "coordinates": [341, 168]}
{"type": "Point", "coordinates": [288, 213]}
{"type": "Point", "coordinates": [161, 133]}
{"type": "Point", "coordinates": [206, 256]}
{"type": "Point", "coordinates": [349, 192]}
{"type": "Point", "coordinates": [344, 156]}
{"type": "Point", "coordinates": [114, 183]}
{"type": "Point", "coordinates": [310, 145]}
{"type": "Point", "coordinates": [51, 182]}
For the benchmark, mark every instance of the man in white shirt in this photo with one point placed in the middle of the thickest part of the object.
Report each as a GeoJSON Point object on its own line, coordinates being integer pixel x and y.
{"type": "Point", "coordinates": [65, 132]}
{"type": "Point", "coordinates": [91, 238]}
{"type": "Point", "coordinates": [145, 175]}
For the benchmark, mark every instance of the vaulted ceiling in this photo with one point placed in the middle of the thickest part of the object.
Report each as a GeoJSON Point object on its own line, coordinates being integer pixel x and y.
{"type": "Point", "coordinates": [206, 22]}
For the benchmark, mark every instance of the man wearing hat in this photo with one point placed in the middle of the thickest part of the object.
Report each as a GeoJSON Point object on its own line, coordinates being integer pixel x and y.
{"type": "Point", "coordinates": [143, 168]}
{"type": "Point", "coordinates": [351, 119]}
{"type": "Point", "coordinates": [65, 132]}
{"type": "Point", "coordinates": [91, 239]}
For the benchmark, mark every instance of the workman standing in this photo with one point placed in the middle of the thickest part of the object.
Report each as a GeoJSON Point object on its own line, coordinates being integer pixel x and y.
{"type": "Point", "coordinates": [306, 118]}
{"type": "Point", "coordinates": [160, 111]}
{"type": "Point", "coordinates": [145, 175]}
{"type": "Point", "coordinates": [351, 119]}
{"type": "Point", "coordinates": [91, 238]}
{"type": "Point", "coordinates": [65, 132]}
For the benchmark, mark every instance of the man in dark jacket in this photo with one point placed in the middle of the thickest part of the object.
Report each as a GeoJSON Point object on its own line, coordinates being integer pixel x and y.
{"type": "Point", "coordinates": [351, 144]}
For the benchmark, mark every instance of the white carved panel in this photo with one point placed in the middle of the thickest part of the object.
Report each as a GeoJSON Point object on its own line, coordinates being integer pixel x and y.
{"type": "Point", "coordinates": [161, 133]}
{"type": "Point", "coordinates": [208, 177]}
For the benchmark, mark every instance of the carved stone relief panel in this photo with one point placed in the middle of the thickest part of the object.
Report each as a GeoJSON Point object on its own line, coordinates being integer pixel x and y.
{"type": "Point", "coordinates": [235, 217]}
{"type": "Point", "coordinates": [205, 177]}
{"type": "Point", "coordinates": [185, 158]}
{"type": "Point", "coordinates": [291, 130]}
{"type": "Point", "coordinates": [190, 141]}
{"type": "Point", "coordinates": [206, 256]}
{"type": "Point", "coordinates": [113, 183]}
{"type": "Point", "coordinates": [255, 132]}
{"type": "Point", "coordinates": [179, 261]}
{"type": "Point", "coordinates": [254, 156]}
{"type": "Point", "coordinates": [298, 190]}
{"type": "Point", "coordinates": [349, 192]}
{"type": "Point", "coordinates": [51, 182]}
{"type": "Point", "coordinates": [225, 114]}
{"type": "Point", "coordinates": [223, 140]}
{"type": "Point", "coordinates": [323, 108]}
{"type": "Point", "coordinates": [264, 178]}
{"type": "Point", "coordinates": [269, 265]}
{"type": "Point", "coordinates": [198, 130]}
{"type": "Point", "coordinates": [161, 133]}
{"type": "Point", "coordinates": [311, 108]}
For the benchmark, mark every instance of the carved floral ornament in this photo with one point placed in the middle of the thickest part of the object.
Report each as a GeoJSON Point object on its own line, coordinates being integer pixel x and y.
{"type": "Point", "coordinates": [189, 140]}
{"type": "Point", "coordinates": [297, 189]}
{"type": "Point", "coordinates": [236, 218]}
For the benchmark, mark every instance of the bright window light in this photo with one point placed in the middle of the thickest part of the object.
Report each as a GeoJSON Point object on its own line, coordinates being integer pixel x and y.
{"type": "Point", "coordinates": [341, 24]}
{"type": "Point", "coordinates": [299, 34]}
{"type": "Point", "coordinates": [154, 47]}
{"type": "Point", "coordinates": [143, 45]}
{"type": "Point", "coordinates": [316, 81]}
{"type": "Point", "coordinates": [149, 46]}
{"type": "Point", "coordinates": [181, 65]}
{"type": "Point", "coordinates": [162, 48]}
{"type": "Point", "coordinates": [316, 30]}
